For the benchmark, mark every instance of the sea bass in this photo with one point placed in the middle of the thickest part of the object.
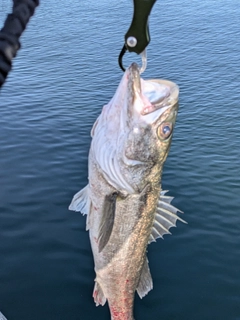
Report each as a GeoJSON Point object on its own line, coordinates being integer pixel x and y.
{"type": "Point", "coordinates": [125, 206]}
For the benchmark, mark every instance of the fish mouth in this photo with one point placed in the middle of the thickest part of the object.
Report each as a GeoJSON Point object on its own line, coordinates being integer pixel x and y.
{"type": "Point", "coordinates": [154, 94]}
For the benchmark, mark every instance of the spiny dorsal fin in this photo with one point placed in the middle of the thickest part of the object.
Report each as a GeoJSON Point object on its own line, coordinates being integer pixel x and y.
{"type": "Point", "coordinates": [81, 201]}
{"type": "Point", "coordinates": [165, 218]}
{"type": "Point", "coordinates": [107, 220]}
{"type": "Point", "coordinates": [145, 283]}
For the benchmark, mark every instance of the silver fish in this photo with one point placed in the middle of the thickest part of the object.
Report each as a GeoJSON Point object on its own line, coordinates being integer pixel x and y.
{"type": "Point", "coordinates": [125, 207]}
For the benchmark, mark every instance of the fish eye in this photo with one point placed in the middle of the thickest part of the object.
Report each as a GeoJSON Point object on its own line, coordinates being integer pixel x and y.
{"type": "Point", "coordinates": [165, 130]}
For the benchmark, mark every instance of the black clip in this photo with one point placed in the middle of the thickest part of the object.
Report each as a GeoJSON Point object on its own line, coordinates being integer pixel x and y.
{"type": "Point", "coordinates": [137, 38]}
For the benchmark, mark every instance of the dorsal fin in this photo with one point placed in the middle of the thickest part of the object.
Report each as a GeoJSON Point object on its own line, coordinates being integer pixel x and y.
{"type": "Point", "coordinates": [165, 217]}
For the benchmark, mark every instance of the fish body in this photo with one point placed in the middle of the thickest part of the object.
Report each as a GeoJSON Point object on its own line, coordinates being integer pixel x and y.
{"type": "Point", "coordinates": [125, 206]}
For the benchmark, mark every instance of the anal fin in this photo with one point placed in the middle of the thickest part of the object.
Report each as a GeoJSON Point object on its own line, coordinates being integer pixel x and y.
{"type": "Point", "coordinates": [145, 282]}
{"type": "Point", "coordinates": [98, 295]}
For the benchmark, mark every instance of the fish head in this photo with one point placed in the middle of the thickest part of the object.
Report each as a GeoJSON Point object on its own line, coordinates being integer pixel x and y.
{"type": "Point", "coordinates": [132, 136]}
{"type": "Point", "coordinates": [150, 118]}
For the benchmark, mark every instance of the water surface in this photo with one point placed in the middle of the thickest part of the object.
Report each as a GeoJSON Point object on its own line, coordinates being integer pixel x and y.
{"type": "Point", "coordinates": [65, 72]}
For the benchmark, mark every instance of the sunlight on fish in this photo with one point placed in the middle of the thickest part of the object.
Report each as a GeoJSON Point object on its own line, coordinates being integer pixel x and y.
{"type": "Point", "coordinates": [125, 205]}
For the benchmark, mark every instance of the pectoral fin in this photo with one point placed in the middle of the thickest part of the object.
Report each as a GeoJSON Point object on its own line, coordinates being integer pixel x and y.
{"type": "Point", "coordinates": [81, 201]}
{"type": "Point", "coordinates": [165, 218]}
{"type": "Point", "coordinates": [107, 220]}
{"type": "Point", "coordinates": [145, 283]}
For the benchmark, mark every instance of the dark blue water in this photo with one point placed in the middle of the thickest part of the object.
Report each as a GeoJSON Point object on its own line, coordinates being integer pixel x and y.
{"type": "Point", "coordinates": [65, 72]}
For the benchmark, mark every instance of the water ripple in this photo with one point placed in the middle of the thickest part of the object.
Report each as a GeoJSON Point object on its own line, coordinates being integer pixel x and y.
{"type": "Point", "coordinates": [65, 72]}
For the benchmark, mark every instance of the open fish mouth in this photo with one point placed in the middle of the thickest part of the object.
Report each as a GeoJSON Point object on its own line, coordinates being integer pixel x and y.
{"type": "Point", "coordinates": [155, 94]}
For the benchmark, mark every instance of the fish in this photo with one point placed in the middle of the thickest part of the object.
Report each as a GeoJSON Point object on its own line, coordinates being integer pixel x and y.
{"type": "Point", "coordinates": [124, 202]}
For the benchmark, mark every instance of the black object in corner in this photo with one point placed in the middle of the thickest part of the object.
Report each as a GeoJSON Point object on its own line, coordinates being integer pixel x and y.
{"type": "Point", "coordinates": [12, 30]}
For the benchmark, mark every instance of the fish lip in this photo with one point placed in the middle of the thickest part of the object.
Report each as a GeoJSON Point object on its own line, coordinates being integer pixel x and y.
{"type": "Point", "coordinates": [154, 107]}
{"type": "Point", "coordinates": [134, 79]}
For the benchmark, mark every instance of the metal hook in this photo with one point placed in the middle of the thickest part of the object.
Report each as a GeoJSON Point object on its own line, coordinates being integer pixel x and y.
{"type": "Point", "coordinates": [123, 51]}
{"type": "Point", "coordinates": [143, 56]}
